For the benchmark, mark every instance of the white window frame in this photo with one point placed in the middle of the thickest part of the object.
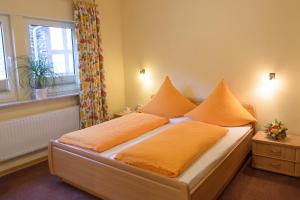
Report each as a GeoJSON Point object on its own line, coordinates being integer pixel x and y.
{"type": "Point", "coordinates": [65, 83]}
{"type": "Point", "coordinates": [9, 85]}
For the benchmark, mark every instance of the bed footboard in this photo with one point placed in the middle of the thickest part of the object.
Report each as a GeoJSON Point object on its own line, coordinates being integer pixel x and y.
{"type": "Point", "coordinates": [215, 182]}
{"type": "Point", "coordinates": [110, 179]}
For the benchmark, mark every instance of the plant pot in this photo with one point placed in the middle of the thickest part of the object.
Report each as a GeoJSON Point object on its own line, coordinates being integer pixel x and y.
{"type": "Point", "coordinates": [40, 93]}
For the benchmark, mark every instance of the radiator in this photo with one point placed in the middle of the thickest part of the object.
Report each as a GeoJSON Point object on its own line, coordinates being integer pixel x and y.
{"type": "Point", "coordinates": [24, 135]}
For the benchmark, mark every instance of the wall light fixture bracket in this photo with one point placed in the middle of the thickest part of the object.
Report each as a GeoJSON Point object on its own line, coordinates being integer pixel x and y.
{"type": "Point", "coordinates": [272, 76]}
{"type": "Point", "coordinates": [143, 71]}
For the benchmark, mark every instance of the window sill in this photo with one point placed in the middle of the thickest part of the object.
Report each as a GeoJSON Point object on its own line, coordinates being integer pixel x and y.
{"type": "Point", "coordinates": [50, 97]}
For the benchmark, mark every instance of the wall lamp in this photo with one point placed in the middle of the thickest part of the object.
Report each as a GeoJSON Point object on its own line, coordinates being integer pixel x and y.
{"type": "Point", "coordinates": [142, 71]}
{"type": "Point", "coordinates": [272, 76]}
{"type": "Point", "coordinates": [143, 75]}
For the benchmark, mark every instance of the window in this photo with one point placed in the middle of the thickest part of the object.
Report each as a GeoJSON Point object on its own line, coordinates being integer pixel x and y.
{"type": "Point", "coordinates": [56, 41]}
{"type": "Point", "coordinates": [7, 73]}
{"type": "Point", "coordinates": [3, 75]}
{"type": "Point", "coordinates": [56, 44]}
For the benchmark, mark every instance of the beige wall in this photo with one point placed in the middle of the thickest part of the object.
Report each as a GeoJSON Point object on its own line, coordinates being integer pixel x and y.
{"type": "Point", "coordinates": [196, 42]}
{"type": "Point", "coordinates": [110, 11]}
{"type": "Point", "coordinates": [199, 42]}
{"type": "Point", "coordinates": [62, 10]}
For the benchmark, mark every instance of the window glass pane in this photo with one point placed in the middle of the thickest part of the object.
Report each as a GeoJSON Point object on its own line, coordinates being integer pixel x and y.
{"type": "Point", "coordinates": [2, 59]}
{"type": "Point", "coordinates": [54, 43]}
{"type": "Point", "coordinates": [38, 40]}
{"type": "Point", "coordinates": [69, 38]}
{"type": "Point", "coordinates": [59, 63]}
{"type": "Point", "coordinates": [71, 64]}
{"type": "Point", "coordinates": [56, 38]}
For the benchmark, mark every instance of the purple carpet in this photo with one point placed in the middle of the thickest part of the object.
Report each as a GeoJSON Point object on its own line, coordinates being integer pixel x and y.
{"type": "Point", "coordinates": [36, 183]}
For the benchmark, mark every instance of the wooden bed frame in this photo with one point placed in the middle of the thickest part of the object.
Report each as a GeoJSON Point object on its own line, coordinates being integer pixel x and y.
{"type": "Point", "coordinates": [110, 179]}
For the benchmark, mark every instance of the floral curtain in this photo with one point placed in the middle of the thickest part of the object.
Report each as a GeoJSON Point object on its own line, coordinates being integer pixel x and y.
{"type": "Point", "coordinates": [93, 106]}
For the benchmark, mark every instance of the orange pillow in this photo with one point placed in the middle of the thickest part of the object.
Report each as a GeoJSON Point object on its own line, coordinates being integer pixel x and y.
{"type": "Point", "coordinates": [168, 102]}
{"type": "Point", "coordinates": [221, 108]}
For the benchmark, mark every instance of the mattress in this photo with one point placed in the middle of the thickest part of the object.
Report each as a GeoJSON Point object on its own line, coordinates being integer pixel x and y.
{"type": "Point", "coordinates": [204, 164]}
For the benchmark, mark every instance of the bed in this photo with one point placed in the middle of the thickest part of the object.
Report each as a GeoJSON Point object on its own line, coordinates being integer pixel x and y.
{"type": "Point", "coordinates": [104, 177]}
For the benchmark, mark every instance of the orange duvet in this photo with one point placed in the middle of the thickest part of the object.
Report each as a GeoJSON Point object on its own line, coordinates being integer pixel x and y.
{"type": "Point", "coordinates": [173, 150]}
{"type": "Point", "coordinates": [111, 133]}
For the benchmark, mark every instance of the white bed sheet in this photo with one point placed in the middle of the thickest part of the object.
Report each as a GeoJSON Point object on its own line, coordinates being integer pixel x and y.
{"type": "Point", "coordinates": [203, 164]}
{"type": "Point", "coordinates": [213, 156]}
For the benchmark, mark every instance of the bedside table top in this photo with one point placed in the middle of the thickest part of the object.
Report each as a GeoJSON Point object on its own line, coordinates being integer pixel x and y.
{"type": "Point", "coordinates": [291, 140]}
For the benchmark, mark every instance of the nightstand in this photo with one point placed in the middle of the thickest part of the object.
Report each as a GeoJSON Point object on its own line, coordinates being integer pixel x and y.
{"type": "Point", "coordinates": [121, 114]}
{"type": "Point", "coordinates": [126, 111]}
{"type": "Point", "coordinates": [276, 156]}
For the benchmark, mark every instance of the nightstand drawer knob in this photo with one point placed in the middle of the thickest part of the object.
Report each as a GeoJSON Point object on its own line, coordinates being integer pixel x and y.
{"type": "Point", "coordinates": [276, 152]}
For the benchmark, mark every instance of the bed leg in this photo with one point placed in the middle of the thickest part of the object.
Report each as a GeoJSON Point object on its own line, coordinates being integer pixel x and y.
{"type": "Point", "coordinates": [50, 160]}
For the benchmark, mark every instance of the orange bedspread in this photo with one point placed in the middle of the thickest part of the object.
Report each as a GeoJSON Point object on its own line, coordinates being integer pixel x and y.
{"type": "Point", "coordinates": [111, 133]}
{"type": "Point", "coordinates": [173, 150]}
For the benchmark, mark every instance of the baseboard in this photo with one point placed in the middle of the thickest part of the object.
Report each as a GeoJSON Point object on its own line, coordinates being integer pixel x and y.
{"type": "Point", "coordinates": [22, 162]}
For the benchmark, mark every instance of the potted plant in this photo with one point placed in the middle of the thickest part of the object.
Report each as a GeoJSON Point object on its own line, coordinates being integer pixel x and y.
{"type": "Point", "coordinates": [38, 73]}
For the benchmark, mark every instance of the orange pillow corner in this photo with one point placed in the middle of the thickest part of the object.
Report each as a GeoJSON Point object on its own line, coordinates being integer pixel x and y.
{"type": "Point", "coordinates": [168, 102]}
{"type": "Point", "coordinates": [221, 108]}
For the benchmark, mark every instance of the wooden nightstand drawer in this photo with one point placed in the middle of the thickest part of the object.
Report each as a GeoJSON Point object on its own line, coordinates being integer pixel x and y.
{"type": "Point", "coordinates": [273, 151]}
{"type": "Point", "coordinates": [298, 170]}
{"type": "Point", "coordinates": [298, 156]}
{"type": "Point", "coordinates": [284, 167]}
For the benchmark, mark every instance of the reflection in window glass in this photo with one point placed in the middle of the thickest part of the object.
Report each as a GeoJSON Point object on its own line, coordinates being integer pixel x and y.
{"type": "Point", "coordinates": [55, 43]}
{"type": "Point", "coordinates": [2, 57]}
{"type": "Point", "coordinates": [59, 63]}
{"type": "Point", "coordinates": [69, 39]}
{"type": "Point", "coordinates": [56, 38]}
